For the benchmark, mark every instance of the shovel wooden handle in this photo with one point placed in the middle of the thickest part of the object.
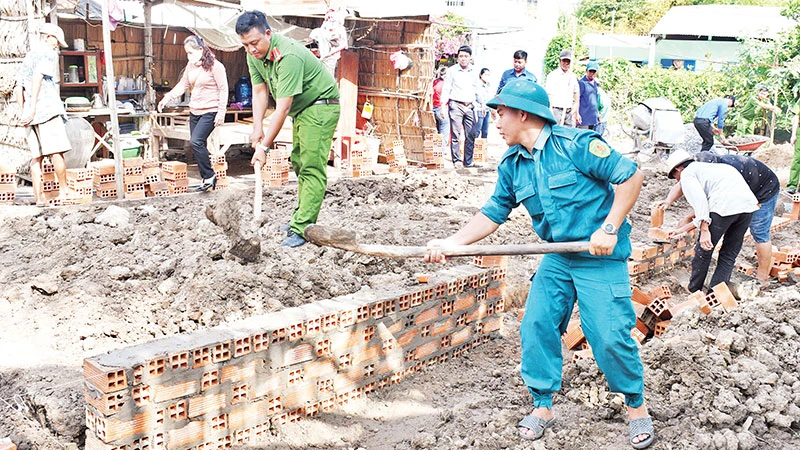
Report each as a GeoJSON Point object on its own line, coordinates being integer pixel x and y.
{"type": "Point", "coordinates": [257, 197]}
{"type": "Point", "coordinates": [346, 240]}
{"type": "Point", "coordinates": [399, 251]}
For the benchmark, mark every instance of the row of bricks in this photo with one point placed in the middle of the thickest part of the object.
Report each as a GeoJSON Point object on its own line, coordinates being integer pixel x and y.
{"type": "Point", "coordinates": [248, 421]}
{"type": "Point", "coordinates": [276, 345]}
{"type": "Point", "coordinates": [644, 252]}
{"type": "Point", "coordinates": [319, 386]}
{"type": "Point", "coordinates": [306, 321]}
{"type": "Point", "coordinates": [417, 337]}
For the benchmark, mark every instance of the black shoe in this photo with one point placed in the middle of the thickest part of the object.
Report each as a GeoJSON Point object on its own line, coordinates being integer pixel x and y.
{"type": "Point", "coordinates": [791, 190]}
{"type": "Point", "coordinates": [294, 240]}
{"type": "Point", "coordinates": [211, 183]}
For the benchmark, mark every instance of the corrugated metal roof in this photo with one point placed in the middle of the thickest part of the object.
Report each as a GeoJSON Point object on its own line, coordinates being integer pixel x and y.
{"type": "Point", "coordinates": [723, 21]}
{"type": "Point", "coordinates": [616, 40]}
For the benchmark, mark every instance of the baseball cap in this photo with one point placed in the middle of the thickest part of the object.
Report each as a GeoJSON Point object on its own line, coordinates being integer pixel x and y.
{"type": "Point", "coordinates": [593, 66]}
{"type": "Point", "coordinates": [566, 54]}
{"type": "Point", "coordinates": [54, 30]}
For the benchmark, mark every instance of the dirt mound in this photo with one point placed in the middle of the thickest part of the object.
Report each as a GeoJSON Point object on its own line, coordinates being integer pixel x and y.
{"type": "Point", "coordinates": [83, 280]}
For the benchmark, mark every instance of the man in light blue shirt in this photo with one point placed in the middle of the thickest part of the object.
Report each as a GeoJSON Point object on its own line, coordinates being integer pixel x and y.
{"type": "Point", "coordinates": [715, 109]}
{"type": "Point", "coordinates": [519, 70]}
{"type": "Point", "coordinates": [460, 94]}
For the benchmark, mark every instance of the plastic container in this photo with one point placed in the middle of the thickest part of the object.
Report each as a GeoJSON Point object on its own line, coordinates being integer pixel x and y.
{"type": "Point", "coordinates": [73, 74]}
{"type": "Point", "coordinates": [130, 148]}
{"type": "Point", "coordinates": [243, 92]}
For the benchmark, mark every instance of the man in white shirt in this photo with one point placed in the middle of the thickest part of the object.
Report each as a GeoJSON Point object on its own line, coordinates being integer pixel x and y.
{"type": "Point", "coordinates": [460, 94]}
{"type": "Point", "coordinates": [562, 88]}
{"type": "Point", "coordinates": [723, 206]}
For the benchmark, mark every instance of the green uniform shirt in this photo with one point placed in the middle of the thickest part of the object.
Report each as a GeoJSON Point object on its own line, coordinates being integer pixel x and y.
{"type": "Point", "coordinates": [748, 111]}
{"type": "Point", "coordinates": [291, 70]}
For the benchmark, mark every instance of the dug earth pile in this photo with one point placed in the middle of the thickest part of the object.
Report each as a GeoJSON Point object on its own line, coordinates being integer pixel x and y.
{"type": "Point", "coordinates": [79, 281]}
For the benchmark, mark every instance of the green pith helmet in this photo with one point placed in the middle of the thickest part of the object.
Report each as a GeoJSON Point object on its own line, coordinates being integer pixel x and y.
{"type": "Point", "coordinates": [524, 94]}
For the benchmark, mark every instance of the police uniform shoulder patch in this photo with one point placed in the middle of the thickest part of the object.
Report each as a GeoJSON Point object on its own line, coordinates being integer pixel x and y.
{"type": "Point", "coordinates": [599, 148]}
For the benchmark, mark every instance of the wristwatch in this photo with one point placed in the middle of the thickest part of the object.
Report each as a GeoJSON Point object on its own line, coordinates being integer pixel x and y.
{"type": "Point", "coordinates": [609, 228]}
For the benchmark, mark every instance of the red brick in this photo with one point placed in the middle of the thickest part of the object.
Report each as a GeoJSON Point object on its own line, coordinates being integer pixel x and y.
{"type": "Point", "coordinates": [264, 385]}
{"type": "Point", "coordinates": [725, 296]}
{"type": "Point", "coordinates": [427, 349]}
{"type": "Point", "coordinates": [495, 292]}
{"type": "Point", "coordinates": [443, 327]}
{"type": "Point", "coordinates": [346, 381]}
{"type": "Point", "coordinates": [642, 327]}
{"type": "Point", "coordinates": [299, 354]}
{"type": "Point", "coordinates": [407, 337]}
{"type": "Point", "coordinates": [461, 336]}
{"type": "Point", "coordinates": [206, 404]}
{"type": "Point", "coordinates": [491, 324]}
{"type": "Point", "coordinates": [106, 403]}
{"type": "Point", "coordinates": [640, 297]}
{"type": "Point", "coordinates": [300, 395]}
{"type": "Point", "coordinates": [319, 369]}
{"type": "Point", "coordinates": [574, 336]}
{"type": "Point", "coordinates": [656, 216]}
{"type": "Point", "coordinates": [107, 379]}
{"type": "Point", "coordinates": [491, 261]}
{"type": "Point", "coordinates": [365, 354]}
{"type": "Point", "coordinates": [428, 315]}
{"type": "Point", "coordinates": [164, 392]}
{"type": "Point", "coordinates": [661, 328]}
{"type": "Point", "coordinates": [235, 373]}
{"type": "Point", "coordinates": [660, 234]}
{"type": "Point", "coordinates": [464, 302]}
{"type": "Point", "coordinates": [477, 313]}
{"type": "Point", "coordinates": [193, 432]}
{"type": "Point", "coordinates": [109, 429]}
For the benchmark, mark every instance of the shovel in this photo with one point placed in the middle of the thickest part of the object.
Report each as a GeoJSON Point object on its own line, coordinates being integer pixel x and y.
{"type": "Point", "coordinates": [346, 240]}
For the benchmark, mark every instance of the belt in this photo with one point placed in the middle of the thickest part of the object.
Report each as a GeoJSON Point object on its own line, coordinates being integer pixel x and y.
{"type": "Point", "coordinates": [463, 103]}
{"type": "Point", "coordinates": [563, 109]}
{"type": "Point", "coordinates": [326, 101]}
{"type": "Point", "coordinates": [702, 120]}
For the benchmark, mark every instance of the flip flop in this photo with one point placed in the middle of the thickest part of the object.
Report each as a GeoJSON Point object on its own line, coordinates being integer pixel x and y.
{"type": "Point", "coordinates": [642, 426]}
{"type": "Point", "coordinates": [535, 424]}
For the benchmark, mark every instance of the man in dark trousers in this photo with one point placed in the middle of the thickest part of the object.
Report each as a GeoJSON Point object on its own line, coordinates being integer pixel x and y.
{"type": "Point", "coordinates": [711, 111]}
{"type": "Point", "coordinates": [723, 205]}
{"type": "Point", "coordinates": [303, 90]}
{"type": "Point", "coordinates": [460, 97]}
{"type": "Point", "coordinates": [764, 184]}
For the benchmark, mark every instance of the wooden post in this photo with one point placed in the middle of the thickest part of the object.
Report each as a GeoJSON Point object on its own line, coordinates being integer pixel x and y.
{"type": "Point", "coordinates": [150, 95]}
{"type": "Point", "coordinates": [112, 99]}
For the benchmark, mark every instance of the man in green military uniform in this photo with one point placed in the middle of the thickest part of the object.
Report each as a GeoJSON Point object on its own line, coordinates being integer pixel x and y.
{"type": "Point", "coordinates": [304, 91]}
{"type": "Point", "coordinates": [752, 114]}
{"type": "Point", "coordinates": [563, 177]}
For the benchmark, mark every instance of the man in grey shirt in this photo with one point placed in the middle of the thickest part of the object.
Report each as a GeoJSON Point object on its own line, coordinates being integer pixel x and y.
{"type": "Point", "coordinates": [460, 93]}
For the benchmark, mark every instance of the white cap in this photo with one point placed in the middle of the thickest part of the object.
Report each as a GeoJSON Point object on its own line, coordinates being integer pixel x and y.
{"type": "Point", "coordinates": [54, 30]}
{"type": "Point", "coordinates": [675, 159]}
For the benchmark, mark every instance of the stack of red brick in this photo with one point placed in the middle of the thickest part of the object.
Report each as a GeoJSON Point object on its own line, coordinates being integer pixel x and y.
{"type": "Point", "coordinates": [8, 185]}
{"type": "Point", "coordinates": [432, 152]}
{"type": "Point", "coordinates": [231, 384]}
{"type": "Point", "coordinates": [220, 166]}
{"type": "Point", "coordinates": [176, 176]}
{"type": "Point", "coordinates": [396, 156]}
{"type": "Point", "coordinates": [133, 177]}
{"type": "Point", "coordinates": [480, 150]}
{"type": "Point", "coordinates": [51, 188]}
{"type": "Point", "coordinates": [794, 214]}
{"type": "Point", "coordinates": [105, 178]}
{"type": "Point", "coordinates": [79, 186]}
{"type": "Point", "coordinates": [785, 260]}
{"type": "Point", "coordinates": [154, 185]}
{"type": "Point", "coordinates": [276, 171]}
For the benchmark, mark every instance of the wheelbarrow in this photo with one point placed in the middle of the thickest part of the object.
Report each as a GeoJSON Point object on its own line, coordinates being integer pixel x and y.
{"type": "Point", "coordinates": [744, 145]}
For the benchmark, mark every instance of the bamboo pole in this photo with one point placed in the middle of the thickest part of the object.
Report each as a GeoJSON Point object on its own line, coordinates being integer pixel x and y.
{"type": "Point", "coordinates": [112, 99]}
{"type": "Point", "coordinates": [150, 95]}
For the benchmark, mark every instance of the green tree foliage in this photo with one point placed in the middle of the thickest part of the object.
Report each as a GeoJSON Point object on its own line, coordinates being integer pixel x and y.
{"type": "Point", "coordinates": [628, 85]}
{"type": "Point", "coordinates": [563, 41]}
{"type": "Point", "coordinates": [640, 16]}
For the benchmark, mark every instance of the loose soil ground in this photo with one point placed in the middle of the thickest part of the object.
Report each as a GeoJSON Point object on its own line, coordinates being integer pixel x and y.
{"type": "Point", "coordinates": [82, 280]}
